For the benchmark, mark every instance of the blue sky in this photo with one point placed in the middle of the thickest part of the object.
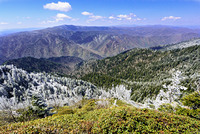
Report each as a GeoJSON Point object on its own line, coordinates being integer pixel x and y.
{"type": "Point", "coordinates": [47, 13]}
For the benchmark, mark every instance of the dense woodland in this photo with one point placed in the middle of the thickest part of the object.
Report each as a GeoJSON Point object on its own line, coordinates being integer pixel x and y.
{"type": "Point", "coordinates": [144, 71]}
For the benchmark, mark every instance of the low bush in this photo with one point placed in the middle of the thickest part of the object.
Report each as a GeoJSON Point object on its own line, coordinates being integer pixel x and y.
{"type": "Point", "coordinates": [118, 119]}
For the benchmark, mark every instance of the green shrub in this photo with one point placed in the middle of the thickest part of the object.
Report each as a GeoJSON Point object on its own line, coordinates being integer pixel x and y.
{"type": "Point", "coordinates": [192, 100]}
{"type": "Point", "coordinates": [166, 108]}
{"type": "Point", "coordinates": [121, 119]}
{"type": "Point", "coordinates": [188, 112]}
{"type": "Point", "coordinates": [38, 109]}
{"type": "Point", "coordinates": [64, 111]}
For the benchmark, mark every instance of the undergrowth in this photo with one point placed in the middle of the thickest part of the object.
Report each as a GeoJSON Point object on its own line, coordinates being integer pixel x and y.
{"type": "Point", "coordinates": [101, 116]}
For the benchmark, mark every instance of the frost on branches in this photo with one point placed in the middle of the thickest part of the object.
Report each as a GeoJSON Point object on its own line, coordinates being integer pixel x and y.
{"type": "Point", "coordinates": [120, 92]}
{"type": "Point", "coordinates": [170, 93]}
{"type": "Point", "coordinates": [17, 87]}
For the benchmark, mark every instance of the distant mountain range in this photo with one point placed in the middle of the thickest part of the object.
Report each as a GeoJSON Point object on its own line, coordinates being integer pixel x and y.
{"type": "Point", "coordinates": [12, 31]}
{"type": "Point", "coordinates": [88, 42]}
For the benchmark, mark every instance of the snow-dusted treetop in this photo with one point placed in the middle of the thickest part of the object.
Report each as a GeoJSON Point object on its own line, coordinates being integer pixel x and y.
{"type": "Point", "coordinates": [20, 85]}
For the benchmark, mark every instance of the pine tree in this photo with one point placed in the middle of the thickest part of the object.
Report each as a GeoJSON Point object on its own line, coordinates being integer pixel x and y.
{"type": "Point", "coordinates": [39, 106]}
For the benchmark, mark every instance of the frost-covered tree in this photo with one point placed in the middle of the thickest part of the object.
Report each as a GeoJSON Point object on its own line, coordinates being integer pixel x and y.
{"type": "Point", "coordinates": [39, 106]}
{"type": "Point", "coordinates": [20, 86]}
{"type": "Point", "coordinates": [170, 93]}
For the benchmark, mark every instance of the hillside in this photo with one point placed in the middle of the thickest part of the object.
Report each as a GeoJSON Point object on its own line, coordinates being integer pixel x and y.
{"type": "Point", "coordinates": [103, 116]}
{"type": "Point", "coordinates": [148, 73]}
{"type": "Point", "coordinates": [88, 42]}
{"type": "Point", "coordinates": [41, 44]}
{"type": "Point", "coordinates": [18, 86]}
{"type": "Point", "coordinates": [59, 65]}
{"type": "Point", "coordinates": [185, 44]}
{"type": "Point", "coordinates": [151, 75]}
{"type": "Point", "coordinates": [70, 61]}
{"type": "Point", "coordinates": [38, 65]}
{"type": "Point", "coordinates": [137, 78]}
{"type": "Point", "coordinates": [2, 59]}
{"type": "Point", "coordinates": [141, 64]}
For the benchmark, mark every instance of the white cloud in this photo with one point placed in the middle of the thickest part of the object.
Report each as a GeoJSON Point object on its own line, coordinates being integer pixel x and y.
{"type": "Point", "coordinates": [170, 18]}
{"type": "Point", "coordinates": [59, 17]}
{"type": "Point", "coordinates": [3, 23]}
{"type": "Point", "coordinates": [111, 17]}
{"type": "Point", "coordinates": [126, 16]}
{"type": "Point", "coordinates": [95, 17]}
{"type": "Point", "coordinates": [131, 17]}
{"type": "Point", "coordinates": [92, 17]}
{"type": "Point", "coordinates": [120, 17]}
{"type": "Point", "coordinates": [60, 6]}
{"type": "Point", "coordinates": [86, 13]}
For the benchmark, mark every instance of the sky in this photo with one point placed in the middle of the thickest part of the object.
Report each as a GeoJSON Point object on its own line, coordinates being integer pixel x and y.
{"type": "Point", "coordinates": [15, 14]}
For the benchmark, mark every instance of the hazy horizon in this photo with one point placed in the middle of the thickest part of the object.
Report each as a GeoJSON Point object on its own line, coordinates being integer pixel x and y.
{"type": "Point", "coordinates": [38, 28]}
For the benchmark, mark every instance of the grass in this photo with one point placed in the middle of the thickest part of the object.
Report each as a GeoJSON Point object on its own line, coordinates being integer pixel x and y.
{"type": "Point", "coordinates": [88, 117]}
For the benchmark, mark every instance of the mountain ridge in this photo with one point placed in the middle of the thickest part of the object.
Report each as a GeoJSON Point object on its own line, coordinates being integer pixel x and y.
{"type": "Point", "coordinates": [88, 42]}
